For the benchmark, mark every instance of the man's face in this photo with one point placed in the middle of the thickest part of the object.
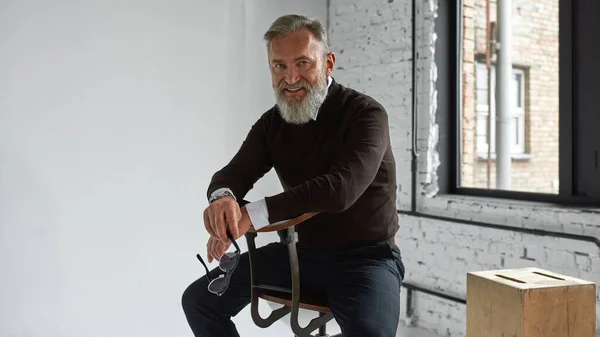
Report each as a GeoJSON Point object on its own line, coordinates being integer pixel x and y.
{"type": "Point", "coordinates": [299, 70]}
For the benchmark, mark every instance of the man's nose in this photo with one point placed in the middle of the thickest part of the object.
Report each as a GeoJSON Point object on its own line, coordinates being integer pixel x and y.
{"type": "Point", "coordinates": [292, 75]}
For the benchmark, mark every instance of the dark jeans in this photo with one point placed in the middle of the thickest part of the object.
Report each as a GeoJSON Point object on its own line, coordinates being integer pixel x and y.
{"type": "Point", "coordinates": [362, 287]}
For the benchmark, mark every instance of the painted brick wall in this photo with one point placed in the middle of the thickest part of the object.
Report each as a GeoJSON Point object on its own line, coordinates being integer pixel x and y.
{"type": "Point", "coordinates": [373, 46]}
{"type": "Point", "coordinates": [373, 42]}
{"type": "Point", "coordinates": [439, 254]}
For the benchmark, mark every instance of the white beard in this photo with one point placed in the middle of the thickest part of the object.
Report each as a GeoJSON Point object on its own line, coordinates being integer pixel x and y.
{"type": "Point", "coordinates": [295, 111]}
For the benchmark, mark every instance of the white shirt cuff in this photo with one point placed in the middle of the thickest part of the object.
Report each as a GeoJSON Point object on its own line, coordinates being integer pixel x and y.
{"type": "Point", "coordinates": [258, 213]}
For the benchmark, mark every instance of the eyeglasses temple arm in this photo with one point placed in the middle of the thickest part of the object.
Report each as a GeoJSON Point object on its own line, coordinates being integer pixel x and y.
{"type": "Point", "coordinates": [233, 241]}
{"type": "Point", "coordinates": [205, 267]}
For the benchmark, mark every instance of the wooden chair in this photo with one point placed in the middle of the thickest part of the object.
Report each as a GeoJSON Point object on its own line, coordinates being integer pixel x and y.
{"type": "Point", "coordinates": [291, 299]}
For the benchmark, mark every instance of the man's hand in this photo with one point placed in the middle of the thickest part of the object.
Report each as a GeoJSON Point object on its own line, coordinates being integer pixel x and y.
{"type": "Point", "coordinates": [244, 224]}
{"type": "Point", "coordinates": [215, 249]}
{"type": "Point", "coordinates": [222, 215]}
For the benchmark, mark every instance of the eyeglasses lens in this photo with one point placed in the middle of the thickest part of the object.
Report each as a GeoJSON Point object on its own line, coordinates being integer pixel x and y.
{"type": "Point", "coordinates": [228, 261]}
{"type": "Point", "coordinates": [219, 284]}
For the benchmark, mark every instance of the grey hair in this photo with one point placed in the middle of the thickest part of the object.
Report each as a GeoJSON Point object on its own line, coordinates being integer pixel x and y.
{"type": "Point", "coordinates": [292, 23]}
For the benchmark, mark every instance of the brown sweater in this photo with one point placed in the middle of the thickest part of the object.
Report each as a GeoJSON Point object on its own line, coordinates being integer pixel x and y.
{"type": "Point", "coordinates": [340, 164]}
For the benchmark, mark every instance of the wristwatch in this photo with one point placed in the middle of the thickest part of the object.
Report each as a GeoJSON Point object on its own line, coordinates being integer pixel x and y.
{"type": "Point", "coordinates": [219, 195]}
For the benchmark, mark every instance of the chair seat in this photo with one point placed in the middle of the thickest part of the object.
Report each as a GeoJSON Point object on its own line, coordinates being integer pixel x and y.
{"type": "Point", "coordinates": [308, 300]}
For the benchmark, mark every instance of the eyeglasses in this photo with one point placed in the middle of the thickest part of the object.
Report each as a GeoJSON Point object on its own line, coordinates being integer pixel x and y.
{"type": "Point", "coordinates": [227, 263]}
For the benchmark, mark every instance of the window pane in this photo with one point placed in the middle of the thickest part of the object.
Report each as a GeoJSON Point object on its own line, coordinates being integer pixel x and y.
{"type": "Point", "coordinates": [531, 94]}
{"type": "Point", "coordinates": [482, 97]}
{"type": "Point", "coordinates": [518, 93]}
{"type": "Point", "coordinates": [482, 133]}
{"type": "Point", "coordinates": [515, 130]}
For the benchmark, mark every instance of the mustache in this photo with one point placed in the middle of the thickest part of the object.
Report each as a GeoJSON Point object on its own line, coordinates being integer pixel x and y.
{"type": "Point", "coordinates": [298, 85]}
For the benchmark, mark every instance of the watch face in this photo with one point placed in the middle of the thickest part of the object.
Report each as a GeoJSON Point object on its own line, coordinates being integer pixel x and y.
{"type": "Point", "coordinates": [219, 196]}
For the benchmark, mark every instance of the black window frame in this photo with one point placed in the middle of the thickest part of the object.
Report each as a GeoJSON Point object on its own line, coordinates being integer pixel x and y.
{"type": "Point", "coordinates": [575, 106]}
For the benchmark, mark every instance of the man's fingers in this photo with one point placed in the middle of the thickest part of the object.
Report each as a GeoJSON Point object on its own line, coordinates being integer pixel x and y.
{"type": "Point", "coordinates": [215, 249]}
{"type": "Point", "coordinates": [221, 226]}
{"type": "Point", "coordinates": [220, 217]}
{"type": "Point", "coordinates": [219, 249]}
{"type": "Point", "coordinates": [212, 253]}
{"type": "Point", "coordinates": [208, 250]}
{"type": "Point", "coordinates": [232, 219]}
{"type": "Point", "coordinates": [239, 213]}
{"type": "Point", "coordinates": [218, 222]}
{"type": "Point", "coordinates": [208, 222]}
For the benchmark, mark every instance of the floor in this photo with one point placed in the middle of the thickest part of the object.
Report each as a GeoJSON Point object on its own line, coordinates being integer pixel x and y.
{"type": "Point", "coordinates": [304, 318]}
{"type": "Point", "coordinates": [402, 332]}
{"type": "Point", "coordinates": [414, 332]}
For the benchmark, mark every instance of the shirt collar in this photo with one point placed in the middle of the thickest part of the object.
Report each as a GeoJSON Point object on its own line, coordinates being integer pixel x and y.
{"type": "Point", "coordinates": [329, 80]}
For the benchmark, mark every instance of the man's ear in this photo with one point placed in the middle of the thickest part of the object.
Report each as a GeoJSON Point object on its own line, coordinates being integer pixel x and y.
{"type": "Point", "coordinates": [329, 63]}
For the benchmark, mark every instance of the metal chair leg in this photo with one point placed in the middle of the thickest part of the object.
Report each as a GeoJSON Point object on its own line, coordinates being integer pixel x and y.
{"type": "Point", "coordinates": [315, 323]}
{"type": "Point", "coordinates": [276, 314]}
{"type": "Point", "coordinates": [323, 328]}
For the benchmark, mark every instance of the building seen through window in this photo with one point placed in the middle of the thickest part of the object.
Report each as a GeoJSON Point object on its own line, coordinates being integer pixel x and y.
{"type": "Point", "coordinates": [528, 96]}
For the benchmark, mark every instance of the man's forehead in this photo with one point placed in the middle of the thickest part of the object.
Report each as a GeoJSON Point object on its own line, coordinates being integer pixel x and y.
{"type": "Point", "coordinates": [293, 45]}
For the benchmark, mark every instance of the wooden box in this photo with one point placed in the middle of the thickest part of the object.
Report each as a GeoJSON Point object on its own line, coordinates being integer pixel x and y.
{"type": "Point", "coordinates": [529, 302]}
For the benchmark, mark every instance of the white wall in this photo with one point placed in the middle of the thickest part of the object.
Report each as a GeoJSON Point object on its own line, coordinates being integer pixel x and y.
{"type": "Point", "coordinates": [376, 39]}
{"type": "Point", "coordinates": [113, 117]}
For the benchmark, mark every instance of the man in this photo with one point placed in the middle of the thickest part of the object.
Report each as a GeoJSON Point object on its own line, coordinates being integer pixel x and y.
{"type": "Point", "coordinates": [331, 150]}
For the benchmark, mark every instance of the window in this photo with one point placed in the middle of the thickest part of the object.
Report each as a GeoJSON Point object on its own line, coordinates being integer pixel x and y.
{"type": "Point", "coordinates": [524, 34]}
{"type": "Point", "coordinates": [523, 100]}
{"type": "Point", "coordinates": [486, 143]}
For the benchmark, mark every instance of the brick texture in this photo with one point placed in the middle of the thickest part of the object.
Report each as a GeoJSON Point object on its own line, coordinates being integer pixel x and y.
{"type": "Point", "coordinates": [373, 45]}
{"type": "Point", "coordinates": [439, 254]}
{"type": "Point", "coordinates": [373, 42]}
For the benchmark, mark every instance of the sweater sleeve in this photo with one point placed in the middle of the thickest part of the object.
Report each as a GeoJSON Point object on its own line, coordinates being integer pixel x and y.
{"type": "Point", "coordinates": [250, 163]}
{"type": "Point", "coordinates": [354, 169]}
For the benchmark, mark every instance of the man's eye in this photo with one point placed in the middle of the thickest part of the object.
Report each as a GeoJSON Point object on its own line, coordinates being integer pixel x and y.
{"type": "Point", "coordinates": [279, 66]}
{"type": "Point", "coordinates": [303, 63]}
